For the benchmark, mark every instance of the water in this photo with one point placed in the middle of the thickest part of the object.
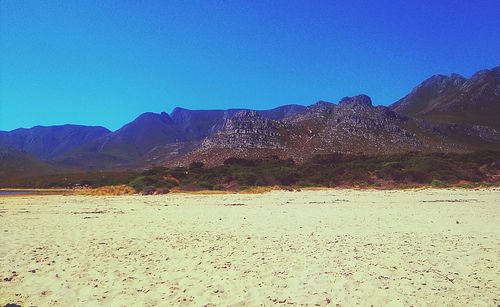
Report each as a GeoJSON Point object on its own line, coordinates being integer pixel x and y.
{"type": "Point", "coordinates": [16, 192]}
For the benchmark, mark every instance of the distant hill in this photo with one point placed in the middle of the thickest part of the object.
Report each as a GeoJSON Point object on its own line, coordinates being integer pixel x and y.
{"type": "Point", "coordinates": [455, 99]}
{"type": "Point", "coordinates": [50, 142]}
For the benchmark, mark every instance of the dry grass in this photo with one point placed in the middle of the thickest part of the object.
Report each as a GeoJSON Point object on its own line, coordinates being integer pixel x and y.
{"type": "Point", "coordinates": [202, 192]}
{"type": "Point", "coordinates": [259, 190]}
{"type": "Point", "coordinates": [108, 190]}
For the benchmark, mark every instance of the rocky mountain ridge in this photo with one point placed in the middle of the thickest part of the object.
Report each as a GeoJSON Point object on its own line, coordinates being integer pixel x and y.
{"type": "Point", "coordinates": [455, 99]}
{"type": "Point", "coordinates": [444, 113]}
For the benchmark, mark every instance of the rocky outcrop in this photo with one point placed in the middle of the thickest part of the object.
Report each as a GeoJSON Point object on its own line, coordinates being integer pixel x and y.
{"type": "Point", "coordinates": [351, 126]}
{"type": "Point", "coordinates": [247, 129]}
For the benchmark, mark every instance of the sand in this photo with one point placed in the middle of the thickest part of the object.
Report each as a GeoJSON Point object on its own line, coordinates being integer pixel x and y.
{"type": "Point", "coordinates": [385, 248]}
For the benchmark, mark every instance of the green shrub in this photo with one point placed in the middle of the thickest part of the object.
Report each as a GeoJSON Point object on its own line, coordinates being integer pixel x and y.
{"type": "Point", "coordinates": [138, 183]}
{"type": "Point", "coordinates": [206, 185]}
{"type": "Point", "coordinates": [439, 184]}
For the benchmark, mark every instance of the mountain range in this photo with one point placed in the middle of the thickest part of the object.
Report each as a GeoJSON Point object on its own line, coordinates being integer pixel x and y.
{"type": "Point", "coordinates": [442, 114]}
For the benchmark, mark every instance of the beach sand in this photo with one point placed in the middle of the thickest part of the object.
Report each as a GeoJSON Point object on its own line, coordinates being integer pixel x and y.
{"type": "Point", "coordinates": [385, 248]}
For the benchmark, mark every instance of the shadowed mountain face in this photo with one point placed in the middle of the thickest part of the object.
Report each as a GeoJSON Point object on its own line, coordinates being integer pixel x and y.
{"type": "Point", "coordinates": [49, 142]}
{"type": "Point", "coordinates": [15, 162]}
{"type": "Point", "coordinates": [444, 113]}
{"type": "Point", "coordinates": [455, 99]}
{"type": "Point", "coordinates": [126, 145]}
{"type": "Point", "coordinates": [140, 136]}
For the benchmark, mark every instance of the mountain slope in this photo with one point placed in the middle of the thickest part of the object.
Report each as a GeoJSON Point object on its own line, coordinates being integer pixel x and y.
{"type": "Point", "coordinates": [143, 134]}
{"type": "Point", "coordinates": [14, 163]}
{"type": "Point", "coordinates": [246, 129]}
{"type": "Point", "coordinates": [455, 99]}
{"type": "Point", "coordinates": [127, 144]}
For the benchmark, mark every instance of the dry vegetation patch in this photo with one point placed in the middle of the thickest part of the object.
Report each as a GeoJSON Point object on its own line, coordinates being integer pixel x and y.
{"type": "Point", "coordinates": [108, 190]}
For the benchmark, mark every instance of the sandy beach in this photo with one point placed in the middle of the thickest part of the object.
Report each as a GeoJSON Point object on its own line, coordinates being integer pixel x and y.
{"type": "Point", "coordinates": [347, 247]}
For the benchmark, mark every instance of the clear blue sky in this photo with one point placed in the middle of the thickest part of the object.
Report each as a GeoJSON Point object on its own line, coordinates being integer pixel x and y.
{"type": "Point", "coordinates": [105, 62]}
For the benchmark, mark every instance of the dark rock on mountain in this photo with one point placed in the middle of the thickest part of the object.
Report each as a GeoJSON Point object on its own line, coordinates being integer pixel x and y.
{"type": "Point", "coordinates": [455, 99]}
{"type": "Point", "coordinates": [50, 142]}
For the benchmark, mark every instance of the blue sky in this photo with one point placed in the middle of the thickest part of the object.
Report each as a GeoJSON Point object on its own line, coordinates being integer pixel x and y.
{"type": "Point", "coordinates": [105, 62]}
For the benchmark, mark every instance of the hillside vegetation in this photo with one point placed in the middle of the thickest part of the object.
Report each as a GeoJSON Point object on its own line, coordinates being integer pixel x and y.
{"type": "Point", "coordinates": [334, 170]}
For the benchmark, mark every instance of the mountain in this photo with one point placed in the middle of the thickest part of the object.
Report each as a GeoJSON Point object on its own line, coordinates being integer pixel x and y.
{"type": "Point", "coordinates": [353, 125]}
{"type": "Point", "coordinates": [46, 143]}
{"type": "Point", "coordinates": [139, 136]}
{"type": "Point", "coordinates": [126, 145]}
{"type": "Point", "coordinates": [198, 124]}
{"type": "Point", "coordinates": [246, 129]}
{"type": "Point", "coordinates": [455, 99]}
{"type": "Point", "coordinates": [443, 114]}
{"type": "Point", "coordinates": [154, 138]}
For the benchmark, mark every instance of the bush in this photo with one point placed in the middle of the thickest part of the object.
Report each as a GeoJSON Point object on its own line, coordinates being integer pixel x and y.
{"type": "Point", "coordinates": [162, 191]}
{"type": "Point", "coordinates": [439, 184]}
{"type": "Point", "coordinates": [138, 183]}
{"type": "Point", "coordinates": [155, 171]}
{"type": "Point", "coordinates": [205, 185]}
{"type": "Point", "coordinates": [437, 170]}
{"type": "Point", "coordinates": [148, 191]}
{"type": "Point", "coordinates": [288, 176]}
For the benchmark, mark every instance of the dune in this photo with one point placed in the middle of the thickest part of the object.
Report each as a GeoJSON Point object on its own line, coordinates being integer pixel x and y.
{"type": "Point", "coordinates": [382, 248]}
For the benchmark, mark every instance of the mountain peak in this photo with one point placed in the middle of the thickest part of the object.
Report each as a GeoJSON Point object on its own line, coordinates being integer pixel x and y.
{"type": "Point", "coordinates": [484, 74]}
{"type": "Point", "coordinates": [455, 99]}
{"type": "Point", "coordinates": [441, 82]}
{"type": "Point", "coordinates": [321, 106]}
{"type": "Point", "coordinates": [152, 117]}
{"type": "Point", "coordinates": [359, 100]}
